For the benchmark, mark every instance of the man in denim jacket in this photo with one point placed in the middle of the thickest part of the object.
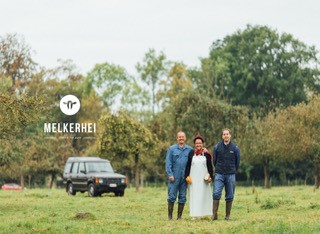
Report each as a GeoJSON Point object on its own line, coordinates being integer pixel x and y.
{"type": "Point", "coordinates": [176, 161]}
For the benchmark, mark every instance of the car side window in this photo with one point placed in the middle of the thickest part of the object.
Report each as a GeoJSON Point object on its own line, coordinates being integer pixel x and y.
{"type": "Point", "coordinates": [89, 167]}
{"type": "Point", "coordinates": [81, 167]}
{"type": "Point", "coordinates": [67, 168]}
{"type": "Point", "coordinates": [74, 169]}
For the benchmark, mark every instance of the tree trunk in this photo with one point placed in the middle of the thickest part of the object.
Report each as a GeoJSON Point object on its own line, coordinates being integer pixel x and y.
{"type": "Point", "coordinates": [127, 179]}
{"type": "Point", "coordinates": [22, 181]}
{"type": "Point", "coordinates": [253, 187]}
{"type": "Point", "coordinates": [29, 181]}
{"type": "Point", "coordinates": [305, 180]}
{"type": "Point", "coordinates": [136, 171]}
{"type": "Point", "coordinates": [316, 173]}
{"type": "Point", "coordinates": [266, 174]}
{"type": "Point", "coordinates": [317, 181]}
{"type": "Point", "coordinates": [141, 179]}
{"type": "Point", "coordinates": [51, 181]}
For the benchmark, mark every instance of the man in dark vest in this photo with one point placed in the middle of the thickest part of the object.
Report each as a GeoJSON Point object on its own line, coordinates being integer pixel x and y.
{"type": "Point", "coordinates": [226, 156]}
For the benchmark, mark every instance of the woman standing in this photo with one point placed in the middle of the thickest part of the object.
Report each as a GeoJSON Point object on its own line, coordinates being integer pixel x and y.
{"type": "Point", "coordinates": [199, 166]}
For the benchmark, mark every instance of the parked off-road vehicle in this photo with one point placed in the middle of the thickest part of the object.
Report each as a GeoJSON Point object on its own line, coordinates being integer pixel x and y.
{"type": "Point", "coordinates": [94, 175]}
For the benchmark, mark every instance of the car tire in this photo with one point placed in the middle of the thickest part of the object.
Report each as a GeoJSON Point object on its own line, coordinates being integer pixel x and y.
{"type": "Point", "coordinates": [71, 189]}
{"type": "Point", "coordinates": [92, 190]}
{"type": "Point", "coordinates": [119, 193]}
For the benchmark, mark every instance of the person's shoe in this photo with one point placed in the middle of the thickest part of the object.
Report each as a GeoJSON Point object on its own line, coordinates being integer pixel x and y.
{"type": "Point", "coordinates": [170, 210]}
{"type": "Point", "coordinates": [228, 209]}
{"type": "Point", "coordinates": [215, 207]}
{"type": "Point", "coordinates": [180, 210]}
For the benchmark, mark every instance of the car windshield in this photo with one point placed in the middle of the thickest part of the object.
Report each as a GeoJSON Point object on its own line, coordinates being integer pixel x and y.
{"type": "Point", "coordinates": [98, 167]}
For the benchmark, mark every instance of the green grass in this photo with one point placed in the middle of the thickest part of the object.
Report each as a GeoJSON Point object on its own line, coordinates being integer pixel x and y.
{"type": "Point", "coordinates": [277, 210]}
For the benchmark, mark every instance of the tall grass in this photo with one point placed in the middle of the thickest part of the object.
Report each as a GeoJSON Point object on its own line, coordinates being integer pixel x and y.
{"type": "Point", "coordinates": [277, 210]}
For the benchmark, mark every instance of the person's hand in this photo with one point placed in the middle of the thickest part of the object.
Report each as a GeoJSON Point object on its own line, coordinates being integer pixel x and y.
{"type": "Point", "coordinates": [189, 180]}
{"type": "Point", "coordinates": [205, 150]}
{"type": "Point", "coordinates": [171, 179]}
{"type": "Point", "coordinates": [207, 179]}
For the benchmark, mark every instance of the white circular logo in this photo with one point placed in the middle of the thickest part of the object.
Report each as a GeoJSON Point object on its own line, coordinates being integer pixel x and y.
{"type": "Point", "coordinates": [69, 105]}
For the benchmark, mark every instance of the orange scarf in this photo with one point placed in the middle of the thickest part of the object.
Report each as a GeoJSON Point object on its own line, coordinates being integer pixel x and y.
{"type": "Point", "coordinates": [199, 152]}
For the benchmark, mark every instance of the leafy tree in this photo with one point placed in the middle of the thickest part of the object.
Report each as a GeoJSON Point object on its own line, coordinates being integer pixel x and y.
{"type": "Point", "coordinates": [205, 79]}
{"type": "Point", "coordinates": [55, 83]}
{"type": "Point", "coordinates": [135, 101]}
{"type": "Point", "coordinates": [151, 70]}
{"type": "Point", "coordinates": [118, 90]}
{"type": "Point", "coordinates": [108, 81]}
{"type": "Point", "coordinates": [257, 145]}
{"type": "Point", "coordinates": [5, 84]}
{"type": "Point", "coordinates": [298, 128]}
{"type": "Point", "coordinates": [263, 69]}
{"type": "Point", "coordinates": [195, 113]}
{"type": "Point", "coordinates": [66, 69]}
{"type": "Point", "coordinates": [10, 151]}
{"type": "Point", "coordinates": [47, 156]}
{"type": "Point", "coordinates": [35, 153]}
{"type": "Point", "coordinates": [178, 81]}
{"type": "Point", "coordinates": [285, 136]}
{"type": "Point", "coordinates": [17, 112]}
{"type": "Point", "coordinates": [125, 141]}
{"type": "Point", "coordinates": [15, 61]}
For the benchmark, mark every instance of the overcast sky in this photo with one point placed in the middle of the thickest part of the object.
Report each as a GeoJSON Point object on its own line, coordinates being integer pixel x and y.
{"type": "Point", "coordinates": [121, 31]}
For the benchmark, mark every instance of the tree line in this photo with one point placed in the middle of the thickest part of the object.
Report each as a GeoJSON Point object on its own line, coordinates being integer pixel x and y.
{"type": "Point", "coordinates": [261, 84]}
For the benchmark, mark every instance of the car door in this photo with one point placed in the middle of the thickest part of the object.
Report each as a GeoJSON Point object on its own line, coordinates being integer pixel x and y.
{"type": "Point", "coordinates": [82, 177]}
{"type": "Point", "coordinates": [74, 176]}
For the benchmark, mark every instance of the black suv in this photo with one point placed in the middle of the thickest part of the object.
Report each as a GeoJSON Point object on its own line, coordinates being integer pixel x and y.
{"type": "Point", "coordinates": [94, 175]}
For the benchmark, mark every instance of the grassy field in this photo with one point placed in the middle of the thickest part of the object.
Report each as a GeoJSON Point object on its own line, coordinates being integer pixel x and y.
{"type": "Point", "coordinates": [277, 210]}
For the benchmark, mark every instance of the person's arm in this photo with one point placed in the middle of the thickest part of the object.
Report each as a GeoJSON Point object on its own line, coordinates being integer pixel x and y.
{"type": "Point", "coordinates": [188, 167]}
{"type": "Point", "coordinates": [215, 155]}
{"type": "Point", "coordinates": [209, 165]}
{"type": "Point", "coordinates": [237, 151]}
{"type": "Point", "coordinates": [169, 163]}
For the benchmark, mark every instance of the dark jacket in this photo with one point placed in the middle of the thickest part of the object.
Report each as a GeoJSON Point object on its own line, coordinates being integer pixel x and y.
{"type": "Point", "coordinates": [209, 164]}
{"type": "Point", "coordinates": [226, 158]}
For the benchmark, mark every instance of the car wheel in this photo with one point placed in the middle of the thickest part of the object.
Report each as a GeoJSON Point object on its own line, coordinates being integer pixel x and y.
{"type": "Point", "coordinates": [92, 190]}
{"type": "Point", "coordinates": [71, 190]}
{"type": "Point", "coordinates": [119, 193]}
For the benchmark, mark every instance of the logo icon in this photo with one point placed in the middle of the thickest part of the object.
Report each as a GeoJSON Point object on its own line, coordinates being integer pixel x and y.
{"type": "Point", "coordinates": [69, 105]}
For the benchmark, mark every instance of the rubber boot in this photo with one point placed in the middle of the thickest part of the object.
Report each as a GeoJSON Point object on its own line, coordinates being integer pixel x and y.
{"type": "Point", "coordinates": [170, 210]}
{"type": "Point", "coordinates": [180, 210]}
{"type": "Point", "coordinates": [215, 207]}
{"type": "Point", "coordinates": [228, 209]}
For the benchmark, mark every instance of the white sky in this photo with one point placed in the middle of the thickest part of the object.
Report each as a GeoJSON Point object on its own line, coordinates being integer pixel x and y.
{"type": "Point", "coordinates": [121, 31]}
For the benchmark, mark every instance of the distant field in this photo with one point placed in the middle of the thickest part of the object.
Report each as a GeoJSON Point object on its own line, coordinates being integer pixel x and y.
{"type": "Point", "coordinates": [277, 210]}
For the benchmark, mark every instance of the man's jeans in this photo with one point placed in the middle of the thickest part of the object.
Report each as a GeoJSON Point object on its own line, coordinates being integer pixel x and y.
{"type": "Point", "coordinates": [178, 186]}
{"type": "Point", "coordinates": [227, 181]}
